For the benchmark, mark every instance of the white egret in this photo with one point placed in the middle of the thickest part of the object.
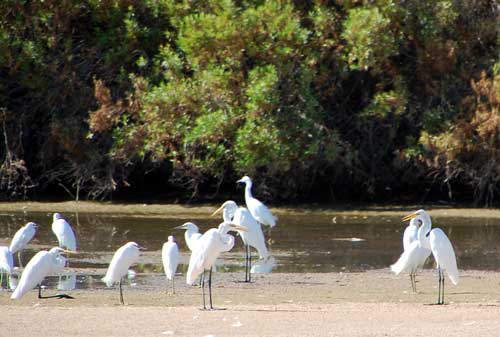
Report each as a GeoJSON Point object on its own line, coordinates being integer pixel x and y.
{"type": "Point", "coordinates": [43, 264]}
{"type": "Point", "coordinates": [442, 250]}
{"type": "Point", "coordinates": [123, 258]}
{"type": "Point", "coordinates": [21, 239]}
{"type": "Point", "coordinates": [415, 252]}
{"type": "Point", "coordinates": [252, 237]}
{"type": "Point", "coordinates": [258, 210]}
{"type": "Point", "coordinates": [207, 250]}
{"type": "Point", "coordinates": [64, 232]}
{"type": "Point", "coordinates": [170, 259]}
{"type": "Point", "coordinates": [191, 235]}
{"type": "Point", "coordinates": [6, 264]}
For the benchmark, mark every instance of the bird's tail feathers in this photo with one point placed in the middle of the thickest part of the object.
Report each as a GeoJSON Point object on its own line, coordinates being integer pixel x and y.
{"type": "Point", "coordinates": [400, 264]}
{"type": "Point", "coordinates": [107, 280]}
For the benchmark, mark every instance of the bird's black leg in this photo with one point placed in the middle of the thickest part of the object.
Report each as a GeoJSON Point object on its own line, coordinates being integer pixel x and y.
{"type": "Point", "coordinates": [249, 264]}
{"type": "Point", "coordinates": [121, 292]}
{"type": "Point", "coordinates": [246, 264]}
{"type": "Point", "coordinates": [202, 284]}
{"type": "Point", "coordinates": [442, 288]}
{"type": "Point", "coordinates": [210, 287]}
{"type": "Point", "coordinates": [53, 296]}
{"type": "Point", "coordinates": [19, 258]}
{"type": "Point", "coordinates": [439, 285]}
{"type": "Point", "coordinates": [173, 287]}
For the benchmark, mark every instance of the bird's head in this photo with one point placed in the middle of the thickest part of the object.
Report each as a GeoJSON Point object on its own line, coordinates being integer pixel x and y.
{"type": "Point", "coordinates": [420, 214]}
{"type": "Point", "coordinates": [229, 206]}
{"type": "Point", "coordinates": [57, 216]}
{"type": "Point", "coordinates": [187, 226]}
{"type": "Point", "coordinates": [245, 180]}
{"type": "Point", "coordinates": [171, 238]}
{"type": "Point", "coordinates": [135, 245]}
{"type": "Point", "coordinates": [32, 224]}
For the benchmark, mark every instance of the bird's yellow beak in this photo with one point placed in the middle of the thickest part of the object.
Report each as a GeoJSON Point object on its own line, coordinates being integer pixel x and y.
{"type": "Point", "coordinates": [410, 216]}
{"type": "Point", "coordinates": [238, 227]}
{"type": "Point", "coordinates": [218, 210]}
{"type": "Point", "coordinates": [70, 251]}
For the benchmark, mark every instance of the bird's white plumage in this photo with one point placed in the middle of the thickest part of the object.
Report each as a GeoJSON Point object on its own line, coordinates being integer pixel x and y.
{"type": "Point", "coordinates": [64, 233]}
{"type": "Point", "coordinates": [444, 254]}
{"type": "Point", "coordinates": [22, 237]}
{"type": "Point", "coordinates": [43, 264]}
{"type": "Point", "coordinates": [211, 244]}
{"type": "Point", "coordinates": [6, 260]}
{"type": "Point", "coordinates": [258, 210]}
{"type": "Point", "coordinates": [191, 235]}
{"type": "Point", "coordinates": [170, 257]}
{"type": "Point", "coordinates": [123, 258]}
{"type": "Point", "coordinates": [410, 233]}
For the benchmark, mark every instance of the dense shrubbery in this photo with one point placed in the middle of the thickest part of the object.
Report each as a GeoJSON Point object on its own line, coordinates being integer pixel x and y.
{"type": "Point", "coordinates": [345, 99]}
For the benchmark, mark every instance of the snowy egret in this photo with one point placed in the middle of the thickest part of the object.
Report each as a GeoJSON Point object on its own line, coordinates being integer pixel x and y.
{"type": "Point", "coordinates": [64, 232]}
{"type": "Point", "coordinates": [170, 258]}
{"type": "Point", "coordinates": [210, 245]}
{"type": "Point", "coordinates": [191, 235]}
{"type": "Point", "coordinates": [21, 239]}
{"type": "Point", "coordinates": [252, 237]}
{"type": "Point", "coordinates": [6, 264]}
{"type": "Point", "coordinates": [43, 264]}
{"type": "Point", "coordinates": [415, 252]}
{"type": "Point", "coordinates": [123, 258]}
{"type": "Point", "coordinates": [442, 250]}
{"type": "Point", "coordinates": [258, 210]}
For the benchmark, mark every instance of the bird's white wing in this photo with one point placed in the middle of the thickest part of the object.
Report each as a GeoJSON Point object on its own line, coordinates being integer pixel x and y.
{"type": "Point", "coordinates": [170, 258]}
{"type": "Point", "coordinates": [410, 234]}
{"type": "Point", "coordinates": [123, 258]}
{"type": "Point", "coordinates": [191, 239]}
{"type": "Point", "coordinates": [408, 261]}
{"type": "Point", "coordinates": [204, 255]}
{"type": "Point", "coordinates": [254, 235]}
{"type": "Point", "coordinates": [21, 238]}
{"type": "Point", "coordinates": [6, 260]}
{"type": "Point", "coordinates": [261, 213]}
{"type": "Point", "coordinates": [64, 234]}
{"type": "Point", "coordinates": [37, 268]}
{"type": "Point", "coordinates": [444, 253]}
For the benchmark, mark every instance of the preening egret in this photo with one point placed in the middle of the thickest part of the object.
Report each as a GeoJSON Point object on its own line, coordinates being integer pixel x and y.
{"type": "Point", "coordinates": [170, 258]}
{"type": "Point", "coordinates": [210, 245]}
{"type": "Point", "coordinates": [64, 232]}
{"type": "Point", "coordinates": [43, 264]}
{"type": "Point", "coordinates": [22, 237]}
{"type": "Point", "coordinates": [258, 210]}
{"type": "Point", "coordinates": [442, 250]}
{"type": "Point", "coordinates": [6, 264]}
{"type": "Point", "coordinates": [252, 237]}
{"type": "Point", "coordinates": [415, 252]}
{"type": "Point", "coordinates": [123, 258]}
{"type": "Point", "coordinates": [191, 235]}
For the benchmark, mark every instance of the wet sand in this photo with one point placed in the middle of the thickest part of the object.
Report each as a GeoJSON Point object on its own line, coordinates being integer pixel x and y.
{"type": "Point", "coordinates": [372, 303]}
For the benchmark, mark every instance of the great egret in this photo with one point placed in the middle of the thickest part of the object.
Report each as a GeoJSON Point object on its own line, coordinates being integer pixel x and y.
{"type": "Point", "coordinates": [210, 245]}
{"type": "Point", "coordinates": [258, 210]}
{"type": "Point", "coordinates": [123, 258]}
{"type": "Point", "coordinates": [21, 239]}
{"type": "Point", "coordinates": [442, 250]}
{"type": "Point", "coordinates": [43, 264]}
{"type": "Point", "coordinates": [191, 235]}
{"type": "Point", "coordinates": [64, 232]}
{"type": "Point", "coordinates": [170, 258]}
{"type": "Point", "coordinates": [6, 264]}
{"type": "Point", "coordinates": [253, 236]}
{"type": "Point", "coordinates": [415, 252]}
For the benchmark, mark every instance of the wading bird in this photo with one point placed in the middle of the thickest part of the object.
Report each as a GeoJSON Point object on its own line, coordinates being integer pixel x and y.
{"type": "Point", "coordinates": [64, 232]}
{"type": "Point", "coordinates": [6, 264]}
{"type": "Point", "coordinates": [170, 259]}
{"type": "Point", "coordinates": [258, 210]}
{"type": "Point", "coordinates": [210, 245]}
{"type": "Point", "coordinates": [252, 237]}
{"type": "Point", "coordinates": [415, 252]}
{"type": "Point", "coordinates": [191, 235]}
{"type": "Point", "coordinates": [44, 263]}
{"type": "Point", "coordinates": [442, 250]}
{"type": "Point", "coordinates": [123, 258]}
{"type": "Point", "coordinates": [21, 239]}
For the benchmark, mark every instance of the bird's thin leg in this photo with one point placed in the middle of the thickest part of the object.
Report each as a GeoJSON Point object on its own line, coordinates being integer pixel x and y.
{"type": "Point", "coordinates": [411, 281]}
{"type": "Point", "coordinates": [249, 264]}
{"type": "Point", "coordinates": [173, 287]}
{"type": "Point", "coordinates": [439, 285]}
{"type": "Point", "coordinates": [40, 291]}
{"type": "Point", "coordinates": [19, 258]}
{"type": "Point", "coordinates": [415, 282]}
{"type": "Point", "coordinates": [442, 288]}
{"type": "Point", "coordinates": [8, 281]}
{"type": "Point", "coordinates": [1, 278]}
{"type": "Point", "coordinates": [53, 296]}
{"type": "Point", "coordinates": [202, 284]}
{"type": "Point", "coordinates": [246, 264]}
{"type": "Point", "coordinates": [121, 292]}
{"type": "Point", "coordinates": [210, 287]}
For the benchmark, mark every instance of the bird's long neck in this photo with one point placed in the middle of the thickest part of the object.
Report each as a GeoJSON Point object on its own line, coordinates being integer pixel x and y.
{"type": "Point", "coordinates": [248, 190]}
{"type": "Point", "coordinates": [424, 230]}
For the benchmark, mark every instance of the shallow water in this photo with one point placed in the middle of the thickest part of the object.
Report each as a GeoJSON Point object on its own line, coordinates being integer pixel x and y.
{"type": "Point", "coordinates": [305, 242]}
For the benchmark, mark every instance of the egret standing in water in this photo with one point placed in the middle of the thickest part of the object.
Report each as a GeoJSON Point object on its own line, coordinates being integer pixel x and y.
{"type": "Point", "coordinates": [21, 239]}
{"type": "Point", "coordinates": [170, 259]}
{"type": "Point", "coordinates": [44, 263]}
{"type": "Point", "coordinates": [252, 236]}
{"type": "Point", "coordinates": [258, 210]}
{"type": "Point", "coordinates": [415, 251]}
{"type": "Point", "coordinates": [211, 244]}
{"type": "Point", "coordinates": [6, 264]}
{"type": "Point", "coordinates": [123, 258]}
{"type": "Point", "coordinates": [442, 250]}
{"type": "Point", "coordinates": [64, 232]}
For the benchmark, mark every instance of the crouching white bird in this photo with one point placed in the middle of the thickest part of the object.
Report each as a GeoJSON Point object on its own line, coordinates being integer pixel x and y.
{"type": "Point", "coordinates": [258, 210]}
{"type": "Point", "coordinates": [123, 258]}
{"type": "Point", "coordinates": [211, 244]}
{"type": "Point", "coordinates": [21, 239]}
{"type": "Point", "coordinates": [44, 263]}
{"type": "Point", "coordinates": [6, 264]}
{"type": "Point", "coordinates": [170, 259]}
{"type": "Point", "coordinates": [252, 236]}
{"type": "Point", "coordinates": [64, 232]}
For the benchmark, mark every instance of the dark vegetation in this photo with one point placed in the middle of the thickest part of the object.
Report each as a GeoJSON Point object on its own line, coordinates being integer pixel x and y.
{"type": "Point", "coordinates": [316, 100]}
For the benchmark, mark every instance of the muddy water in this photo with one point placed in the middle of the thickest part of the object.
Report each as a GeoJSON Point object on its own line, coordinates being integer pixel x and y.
{"type": "Point", "coordinates": [304, 242]}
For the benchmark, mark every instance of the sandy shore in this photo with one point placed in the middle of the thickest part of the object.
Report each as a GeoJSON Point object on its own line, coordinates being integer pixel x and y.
{"type": "Point", "coordinates": [373, 303]}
